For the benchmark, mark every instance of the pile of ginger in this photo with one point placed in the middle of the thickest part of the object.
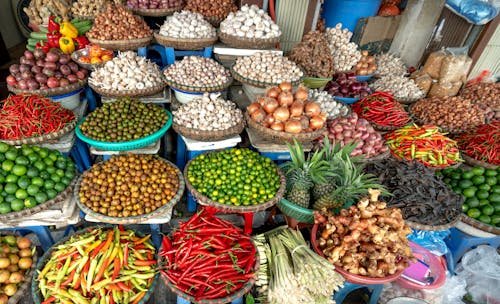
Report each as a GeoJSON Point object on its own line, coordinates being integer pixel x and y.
{"type": "Point", "coordinates": [366, 239]}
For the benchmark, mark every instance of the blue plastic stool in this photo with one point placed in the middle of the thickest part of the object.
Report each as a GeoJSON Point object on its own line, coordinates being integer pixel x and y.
{"type": "Point", "coordinates": [460, 242]}
{"type": "Point", "coordinates": [91, 98]}
{"type": "Point", "coordinates": [278, 157]}
{"type": "Point", "coordinates": [83, 153]}
{"type": "Point", "coordinates": [181, 300]}
{"type": "Point", "coordinates": [376, 290]}
{"type": "Point", "coordinates": [144, 51]}
{"type": "Point", "coordinates": [41, 232]}
{"type": "Point", "coordinates": [168, 54]}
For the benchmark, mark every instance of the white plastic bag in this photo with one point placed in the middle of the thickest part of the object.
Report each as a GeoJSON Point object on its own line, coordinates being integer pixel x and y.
{"type": "Point", "coordinates": [475, 11]}
{"type": "Point", "coordinates": [480, 268]}
{"type": "Point", "coordinates": [455, 290]}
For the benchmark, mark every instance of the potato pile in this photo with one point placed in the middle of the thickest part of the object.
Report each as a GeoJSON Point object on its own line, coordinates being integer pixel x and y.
{"type": "Point", "coordinates": [15, 261]}
{"type": "Point", "coordinates": [313, 55]}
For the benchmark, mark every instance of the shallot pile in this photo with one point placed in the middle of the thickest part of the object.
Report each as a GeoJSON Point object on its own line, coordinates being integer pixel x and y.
{"type": "Point", "coordinates": [351, 128]}
{"type": "Point", "coordinates": [312, 55]}
{"type": "Point", "coordinates": [399, 86]}
{"type": "Point", "coordinates": [127, 71]}
{"type": "Point", "coordinates": [345, 85]}
{"type": "Point", "coordinates": [345, 53]}
{"type": "Point", "coordinates": [281, 110]}
{"type": "Point", "coordinates": [366, 65]}
{"type": "Point", "coordinates": [187, 25]}
{"type": "Point", "coordinates": [328, 104]}
{"type": "Point", "coordinates": [209, 113]}
{"type": "Point", "coordinates": [250, 22]}
{"type": "Point", "coordinates": [268, 67]}
{"type": "Point", "coordinates": [390, 65]}
{"type": "Point", "coordinates": [367, 239]}
{"type": "Point", "coordinates": [197, 71]}
{"type": "Point", "coordinates": [154, 4]}
{"type": "Point", "coordinates": [214, 8]}
{"type": "Point", "coordinates": [486, 95]}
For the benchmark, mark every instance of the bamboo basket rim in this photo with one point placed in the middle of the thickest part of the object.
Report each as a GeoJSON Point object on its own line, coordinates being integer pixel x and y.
{"type": "Point", "coordinates": [203, 135]}
{"type": "Point", "coordinates": [43, 138]}
{"type": "Point", "coordinates": [54, 91]}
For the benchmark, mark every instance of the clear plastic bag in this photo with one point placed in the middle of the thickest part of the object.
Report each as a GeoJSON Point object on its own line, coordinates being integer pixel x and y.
{"type": "Point", "coordinates": [454, 68]}
{"type": "Point", "coordinates": [431, 240]}
{"type": "Point", "coordinates": [455, 290]}
{"type": "Point", "coordinates": [480, 268]}
{"type": "Point", "coordinates": [393, 290]}
{"type": "Point", "coordinates": [432, 65]}
{"type": "Point", "coordinates": [475, 11]}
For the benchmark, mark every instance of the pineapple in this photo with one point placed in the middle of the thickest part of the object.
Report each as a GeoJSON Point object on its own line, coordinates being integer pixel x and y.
{"type": "Point", "coordinates": [352, 184]}
{"type": "Point", "coordinates": [302, 173]}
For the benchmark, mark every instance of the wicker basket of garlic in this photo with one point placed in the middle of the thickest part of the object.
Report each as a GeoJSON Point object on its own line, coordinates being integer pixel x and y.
{"type": "Point", "coordinates": [249, 28]}
{"type": "Point", "coordinates": [186, 30]}
{"type": "Point", "coordinates": [208, 118]}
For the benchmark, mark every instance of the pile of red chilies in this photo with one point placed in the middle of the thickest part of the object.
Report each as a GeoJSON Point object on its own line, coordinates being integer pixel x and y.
{"type": "Point", "coordinates": [483, 143]}
{"type": "Point", "coordinates": [382, 109]}
{"type": "Point", "coordinates": [207, 257]}
{"type": "Point", "coordinates": [29, 115]}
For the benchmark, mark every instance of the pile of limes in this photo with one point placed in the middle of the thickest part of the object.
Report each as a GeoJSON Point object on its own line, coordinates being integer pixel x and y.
{"type": "Point", "coordinates": [481, 190]}
{"type": "Point", "coordinates": [234, 176]}
{"type": "Point", "coordinates": [31, 175]}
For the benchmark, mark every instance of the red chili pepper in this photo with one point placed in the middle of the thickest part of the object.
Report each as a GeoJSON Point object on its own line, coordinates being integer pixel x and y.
{"type": "Point", "coordinates": [49, 300]}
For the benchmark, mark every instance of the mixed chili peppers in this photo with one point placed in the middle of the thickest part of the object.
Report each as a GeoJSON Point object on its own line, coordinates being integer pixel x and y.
{"type": "Point", "coordinates": [99, 266]}
{"type": "Point", "coordinates": [29, 115]}
{"type": "Point", "coordinates": [425, 144]}
{"type": "Point", "coordinates": [482, 143]}
{"type": "Point", "coordinates": [207, 257]}
{"type": "Point", "coordinates": [380, 108]}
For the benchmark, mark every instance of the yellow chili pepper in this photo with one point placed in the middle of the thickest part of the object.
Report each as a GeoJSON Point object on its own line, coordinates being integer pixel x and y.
{"type": "Point", "coordinates": [66, 45]}
{"type": "Point", "coordinates": [69, 30]}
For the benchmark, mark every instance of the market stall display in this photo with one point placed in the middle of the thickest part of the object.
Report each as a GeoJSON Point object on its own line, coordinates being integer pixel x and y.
{"type": "Point", "coordinates": [155, 8]}
{"type": "Point", "coordinates": [382, 110]}
{"type": "Point", "coordinates": [425, 144]}
{"type": "Point", "coordinates": [249, 27]}
{"type": "Point", "coordinates": [92, 57]}
{"type": "Point", "coordinates": [208, 118]}
{"type": "Point", "coordinates": [331, 107]}
{"type": "Point", "coordinates": [264, 69]}
{"type": "Point", "coordinates": [424, 199]}
{"type": "Point", "coordinates": [404, 89]}
{"type": "Point", "coordinates": [344, 87]}
{"type": "Point", "coordinates": [186, 30]}
{"type": "Point", "coordinates": [290, 272]}
{"type": "Point", "coordinates": [127, 75]}
{"type": "Point", "coordinates": [197, 74]}
{"type": "Point", "coordinates": [88, 9]}
{"type": "Point", "coordinates": [214, 11]}
{"type": "Point", "coordinates": [219, 265]}
{"type": "Point", "coordinates": [452, 114]}
{"type": "Point", "coordinates": [39, 11]}
{"type": "Point", "coordinates": [389, 65]}
{"type": "Point", "coordinates": [368, 242]}
{"type": "Point", "coordinates": [486, 96]}
{"type": "Point", "coordinates": [33, 179]}
{"type": "Point", "coordinates": [313, 56]}
{"type": "Point", "coordinates": [354, 129]}
{"type": "Point", "coordinates": [480, 145]}
{"type": "Point", "coordinates": [156, 186]}
{"type": "Point", "coordinates": [17, 264]}
{"type": "Point", "coordinates": [100, 268]}
{"type": "Point", "coordinates": [345, 53]}
{"type": "Point", "coordinates": [246, 182]}
{"type": "Point", "coordinates": [31, 118]}
{"type": "Point", "coordinates": [481, 191]}
{"type": "Point", "coordinates": [119, 30]}
{"type": "Point", "coordinates": [46, 74]}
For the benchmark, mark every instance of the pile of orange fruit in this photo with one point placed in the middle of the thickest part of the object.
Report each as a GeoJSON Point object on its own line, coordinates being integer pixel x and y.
{"type": "Point", "coordinates": [97, 55]}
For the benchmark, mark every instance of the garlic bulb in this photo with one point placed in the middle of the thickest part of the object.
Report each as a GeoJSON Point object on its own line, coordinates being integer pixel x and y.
{"type": "Point", "coordinates": [389, 64]}
{"type": "Point", "coordinates": [208, 113]}
{"type": "Point", "coordinates": [127, 71]}
{"type": "Point", "coordinates": [345, 53]}
{"type": "Point", "coordinates": [328, 104]}
{"type": "Point", "coordinates": [268, 67]}
{"type": "Point", "coordinates": [250, 22]}
{"type": "Point", "coordinates": [399, 86]}
{"type": "Point", "coordinates": [187, 25]}
{"type": "Point", "coordinates": [197, 71]}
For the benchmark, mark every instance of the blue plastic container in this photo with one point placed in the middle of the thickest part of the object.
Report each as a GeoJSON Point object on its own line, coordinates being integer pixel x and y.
{"type": "Point", "coordinates": [346, 100]}
{"type": "Point", "coordinates": [348, 12]}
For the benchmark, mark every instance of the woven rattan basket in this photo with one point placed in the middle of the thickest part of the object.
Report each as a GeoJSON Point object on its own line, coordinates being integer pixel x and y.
{"type": "Point", "coordinates": [157, 12]}
{"type": "Point", "coordinates": [259, 84]}
{"type": "Point", "coordinates": [480, 225]}
{"type": "Point", "coordinates": [280, 137]}
{"type": "Point", "coordinates": [132, 93]}
{"type": "Point", "coordinates": [248, 43]}
{"type": "Point", "coordinates": [202, 135]}
{"type": "Point", "coordinates": [183, 43]}
{"type": "Point", "coordinates": [123, 45]}
{"type": "Point", "coordinates": [475, 162]}
{"type": "Point", "coordinates": [52, 92]}
{"type": "Point", "coordinates": [209, 89]}
{"type": "Point", "coordinates": [420, 226]}
{"type": "Point", "coordinates": [44, 138]}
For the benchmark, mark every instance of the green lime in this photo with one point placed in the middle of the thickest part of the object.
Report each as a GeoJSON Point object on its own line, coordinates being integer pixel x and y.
{"type": "Point", "coordinates": [21, 194]}
{"type": "Point", "coordinates": [36, 148]}
{"type": "Point", "coordinates": [9, 198]}
{"type": "Point", "coordinates": [491, 180]}
{"type": "Point", "coordinates": [23, 182]}
{"type": "Point", "coordinates": [465, 208]}
{"type": "Point", "coordinates": [474, 213]}
{"type": "Point", "coordinates": [10, 188]}
{"type": "Point", "coordinates": [467, 175]}
{"type": "Point", "coordinates": [447, 171]}
{"type": "Point", "coordinates": [454, 183]}
{"type": "Point", "coordinates": [7, 165]}
{"type": "Point", "coordinates": [60, 163]}
{"type": "Point", "coordinates": [32, 172]}
{"type": "Point", "coordinates": [11, 154]}
{"type": "Point", "coordinates": [54, 155]}
{"type": "Point", "coordinates": [41, 197]}
{"type": "Point", "coordinates": [33, 157]}
{"type": "Point", "coordinates": [55, 178]}
{"type": "Point", "coordinates": [2, 179]}
{"type": "Point", "coordinates": [70, 173]}
{"type": "Point", "coordinates": [59, 187]}
{"type": "Point", "coordinates": [37, 181]}
{"type": "Point", "coordinates": [490, 172]}
{"type": "Point", "coordinates": [495, 189]}
{"type": "Point", "coordinates": [17, 205]}
{"type": "Point", "coordinates": [465, 183]}
{"type": "Point", "coordinates": [484, 187]}
{"type": "Point", "coordinates": [51, 170]}
{"type": "Point", "coordinates": [478, 180]}
{"type": "Point", "coordinates": [30, 202]}
{"type": "Point", "coordinates": [60, 172]}
{"type": "Point", "coordinates": [11, 178]}
{"type": "Point", "coordinates": [488, 210]}
{"type": "Point", "coordinates": [66, 181]}
{"type": "Point", "coordinates": [494, 198]}
{"type": "Point", "coordinates": [40, 165]}
{"type": "Point", "coordinates": [482, 194]}
{"type": "Point", "coordinates": [1, 199]}
{"type": "Point", "coordinates": [4, 147]}
{"type": "Point", "coordinates": [447, 180]}
{"type": "Point", "coordinates": [485, 219]}
{"type": "Point", "coordinates": [495, 220]}
{"type": "Point", "coordinates": [49, 184]}
{"type": "Point", "coordinates": [51, 193]}
{"type": "Point", "coordinates": [49, 162]}
{"type": "Point", "coordinates": [22, 160]}
{"type": "Point", "coordinates": [43, 152]}
{"type": "Point", "coordinates": [469, 192]}
{"type": "Point", "coordinates": [5, 208]}
{"type": "Point", "coordinates": [26, 149]}
{"type": "Point", "coordinates": [483, 202]}
{"type": "Point", "coordinates": [456, 176]}
{"type": "Point", "coordinates": [32, 189]}
{"type": "Point", "coordinates": [478, 170]}
{"type": "Point", "coordinates": [496, 206]}
{"type": "Point", "coordinates": [44, 175]}
{"type": "Point", "coordinates": [472, 202]}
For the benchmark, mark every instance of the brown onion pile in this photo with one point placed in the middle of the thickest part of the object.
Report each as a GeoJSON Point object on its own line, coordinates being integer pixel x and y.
{"type": "Point", "coordinates": [118, 23]}
{"type": "Point", "coordinates": [214, 8]}
{"type": "Point", "coordinates": [455, 113]}
{"type": "Point", "coordinates": [313, 55]}
{"type": "Point", "coordinates": [282, 110]}
{"type": "Point", "coordinates": [129, 185]}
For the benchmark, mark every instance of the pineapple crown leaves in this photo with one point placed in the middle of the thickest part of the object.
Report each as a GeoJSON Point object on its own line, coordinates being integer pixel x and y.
{"type": "Point", "coordinates": [314, 166]}
{"type": "Point", "coordinates": [335, 148]}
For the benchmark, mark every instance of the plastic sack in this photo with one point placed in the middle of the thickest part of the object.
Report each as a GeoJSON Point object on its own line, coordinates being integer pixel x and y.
{"type": "Point", "coordinates": [480, 268]}
{"type": "Point", "coordinates": [432, 65]}
{"type": "Point", "coordinates": [454, 68]}
{"type": "Point", "coordinates": [431, 240]}
{"type": "Point", "coordinates": [475, 11]}
{"type": "Point", "coordinates": [393, 290]}
{"type": "Point", "coordinates": [455, 290]}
